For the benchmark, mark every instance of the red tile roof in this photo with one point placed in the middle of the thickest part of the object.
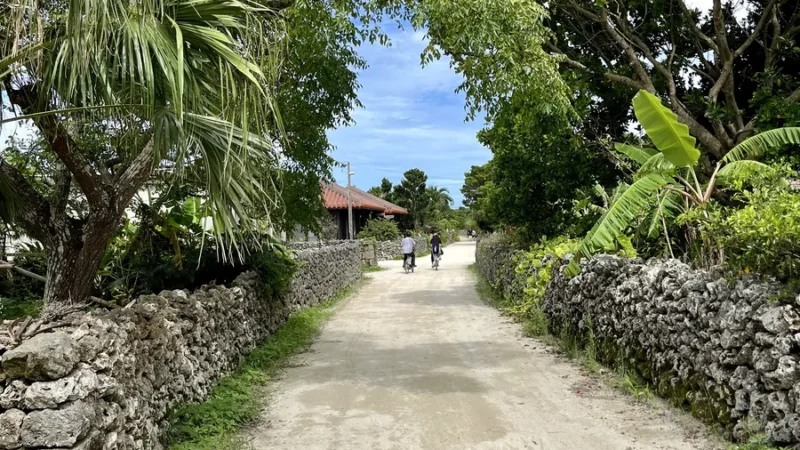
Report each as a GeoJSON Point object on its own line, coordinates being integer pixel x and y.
{"type": "Point", "coordinates": [335, 197]}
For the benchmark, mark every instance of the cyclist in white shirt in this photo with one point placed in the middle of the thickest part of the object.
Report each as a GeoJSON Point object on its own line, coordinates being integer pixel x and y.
{"type": "Point", "coordinates": [407, 246]}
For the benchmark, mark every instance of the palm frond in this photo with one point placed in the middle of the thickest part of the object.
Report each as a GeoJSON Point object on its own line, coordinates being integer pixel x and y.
{"type": "Point", "coordinates": [638, 154]}
{"type": "Point", "coordinates": [670, 136]}
{"type": "Point", "coordinates": [193, 76]}
{"type": "Point", "coordinates": [668, 207]}
{"type": "Point", "coordinates": [619, 216]}
{"type": "Point", "coordinates": [741, 170]}
{"type": "Point", "coordinates": [754, 146]}
{"type": "Point", "coordinates": [657, 163]}
{"type": "Point", "coordinates": [10, 201]}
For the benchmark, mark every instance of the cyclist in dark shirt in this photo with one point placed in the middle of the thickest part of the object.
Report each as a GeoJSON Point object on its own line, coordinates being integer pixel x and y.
{"type": "Point", "coordinates": [436, 246]}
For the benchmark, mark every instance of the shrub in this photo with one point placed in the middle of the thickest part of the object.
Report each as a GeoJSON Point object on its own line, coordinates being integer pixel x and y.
{"type": "Point", "coordinates": [533, 270]}
{"type": "Point", "coordinates": [19, 287]}
{"type": "Point", "coordinates": [21, 296]}
{"type": "Point", "coordinates": [762, 237]}
{"type": "Point", "coordinates": [276, 267]}
{"type": "Point", "coordinates": [380, 230]}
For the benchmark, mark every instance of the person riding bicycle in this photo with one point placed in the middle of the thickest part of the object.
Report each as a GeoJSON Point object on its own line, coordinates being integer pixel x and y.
{"type": "Point", "coordinates": [407, 246]}
{"type": "Point", "coordinates": [436, 247]}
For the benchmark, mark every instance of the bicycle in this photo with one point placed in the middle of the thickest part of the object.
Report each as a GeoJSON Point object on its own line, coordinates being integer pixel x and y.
{"type": "Point", "coordinates": [436, 259]}
{"type": "Point", "coordinates": [407, 265]}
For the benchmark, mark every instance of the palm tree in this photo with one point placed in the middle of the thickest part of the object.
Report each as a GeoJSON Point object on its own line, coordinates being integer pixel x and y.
{"type": "Point", "coordinates": [666, 182]}
{"type": "Point", "coordinates": [178, 83]}
{"type": "Point", "coordinates": [440, 198]}
{"type": "Point", "coordinates": [439, 203]}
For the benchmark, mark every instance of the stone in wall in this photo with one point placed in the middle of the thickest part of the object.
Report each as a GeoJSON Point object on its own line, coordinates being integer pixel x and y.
{"type": "Point", "coordinates": [729, 352]}
{"type": "Point", "coordinates": [388, 250]}
{"type": "Point", "coordinates": [369, 253]}
{"type": "Point", "coordinates": [107, 379]}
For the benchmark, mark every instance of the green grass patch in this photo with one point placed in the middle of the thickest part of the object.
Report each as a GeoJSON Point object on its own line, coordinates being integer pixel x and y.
{"type": "Point", "coordinates": [486, 292]}
{"type": "Point", "coordinates": [754, 438]}
{"type": "Point", "coordinates": [11, 309]}
{"type": "Point", "coordinates": [238, 398]}
{"type": "Point", "coordinates": [756, 442]}
{"type": "Point", "coordinates": [370, 269]}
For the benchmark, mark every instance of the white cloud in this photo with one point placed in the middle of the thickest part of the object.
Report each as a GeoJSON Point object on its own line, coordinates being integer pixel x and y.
{"type": "Point", "coordinates": [412, 118]}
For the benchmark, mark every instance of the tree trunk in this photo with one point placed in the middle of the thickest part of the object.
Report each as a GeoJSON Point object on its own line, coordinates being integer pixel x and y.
{"type": "Point", "coordinates": [73, 257]}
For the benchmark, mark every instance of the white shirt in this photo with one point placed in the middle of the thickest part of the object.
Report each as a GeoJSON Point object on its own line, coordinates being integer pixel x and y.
{"type": "Point", "coordinates": [408, 245]}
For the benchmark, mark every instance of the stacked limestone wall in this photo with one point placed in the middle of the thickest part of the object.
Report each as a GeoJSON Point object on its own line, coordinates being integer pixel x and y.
{"type": "Point", "coordinates": [106, 380]}
{"type": "Point", "coordinates": [730, 352]}
{"type": "Point", "coordinates": [387, 250]}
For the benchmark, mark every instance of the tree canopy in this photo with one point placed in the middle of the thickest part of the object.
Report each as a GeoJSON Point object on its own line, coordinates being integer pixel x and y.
{"type": "Point", "coordinates": [725, 77]}
{"type": "Point", "coordinates": [228, 100]}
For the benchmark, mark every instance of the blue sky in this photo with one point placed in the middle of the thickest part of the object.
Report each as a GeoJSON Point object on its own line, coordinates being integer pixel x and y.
{"type": "Point", "coordinates": [412, 118]}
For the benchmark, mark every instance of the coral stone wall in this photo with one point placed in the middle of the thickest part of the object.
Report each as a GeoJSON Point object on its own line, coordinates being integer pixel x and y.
{"type": "Point", "coordinates": [106, 379]}
{"type": "Point", "coordinates": [730, 352]}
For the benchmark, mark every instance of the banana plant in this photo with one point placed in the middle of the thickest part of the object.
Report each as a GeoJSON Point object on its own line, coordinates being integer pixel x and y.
{"type": "Point", "coordinates": [667, 174]}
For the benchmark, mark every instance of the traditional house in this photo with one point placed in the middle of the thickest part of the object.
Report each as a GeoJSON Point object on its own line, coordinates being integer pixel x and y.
{"type": "Point", "coordinates": [365, 206]}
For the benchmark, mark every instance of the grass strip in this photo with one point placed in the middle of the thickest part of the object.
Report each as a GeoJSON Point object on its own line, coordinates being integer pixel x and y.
{"type": "Point", "coordinates": [238, 398]}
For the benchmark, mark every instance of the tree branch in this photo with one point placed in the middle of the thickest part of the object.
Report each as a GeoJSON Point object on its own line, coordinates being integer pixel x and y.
{"type": "Point", "coordinates": [703, 37]}
{"type": "Point", "coordinates": [766, 17]}
{"type": "Point", "coordinates": [723, 51]}
{"type": "Point", "coordinates": [129, 180]}
{"type": "Point", "coordinates": [630, 82]}
{"type": "Point", "coordinates": [63, 146]}
{"type": "Point", "coordinates": [34, 217]}
{"type": "Point", "coordinates": [628, 49]}
{"type": "Point", "coordinates": [793, 97]}
{"type": "Point", "coordinates": [608, 75]}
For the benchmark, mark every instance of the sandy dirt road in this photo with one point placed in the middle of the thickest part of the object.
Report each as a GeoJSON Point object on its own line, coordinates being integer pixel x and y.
{"type": "Point", "coordinates": [419, 362]}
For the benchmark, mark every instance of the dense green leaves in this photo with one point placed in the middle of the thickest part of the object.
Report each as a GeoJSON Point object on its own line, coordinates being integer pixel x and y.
{"type": "Point", "coordinates": [317, 90]}
{"type": "Point", "coordinates": [498, 46]}
{"type": "Point", "coordinates": [380, 230]}
{"type": "Point", "coordinates": [761, 237]}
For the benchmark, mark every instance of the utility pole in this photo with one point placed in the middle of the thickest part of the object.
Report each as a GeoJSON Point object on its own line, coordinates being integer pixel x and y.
{"type": "Point", "coordinates": [349, 205]}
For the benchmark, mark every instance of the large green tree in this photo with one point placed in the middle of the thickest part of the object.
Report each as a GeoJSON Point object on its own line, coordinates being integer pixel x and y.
{"type": "Point", "coordinates": [384, 191]}
{"type": "Point", "coordinates": [537, 169]}
{"type": "Point", "coordinates": [411, 194]}
{"type": "Point", "coordinates": [190, 91]}
{"type": "Point", "coordinates": [317, 88]}
{"type": "Point", "coordinates": [174, 83]}
{"type": "Point", "coordinates": [479, 196]}
{"type": "Point", "coordinates": [724, 78]}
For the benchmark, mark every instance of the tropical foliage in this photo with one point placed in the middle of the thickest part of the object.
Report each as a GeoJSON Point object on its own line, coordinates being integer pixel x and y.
{"type": "Point", "coordinates": [762, 237]}
{"type": "Point", "coordinates": [380, 230]}
{"type": "Point", "coordinates": [667, 180]}
{"type": "Point", "coordinates": [127, 94]}
{"type": "Point", "coordinates": [428, 206]}
{"type": "Point", "coordinates": [165, 74]}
